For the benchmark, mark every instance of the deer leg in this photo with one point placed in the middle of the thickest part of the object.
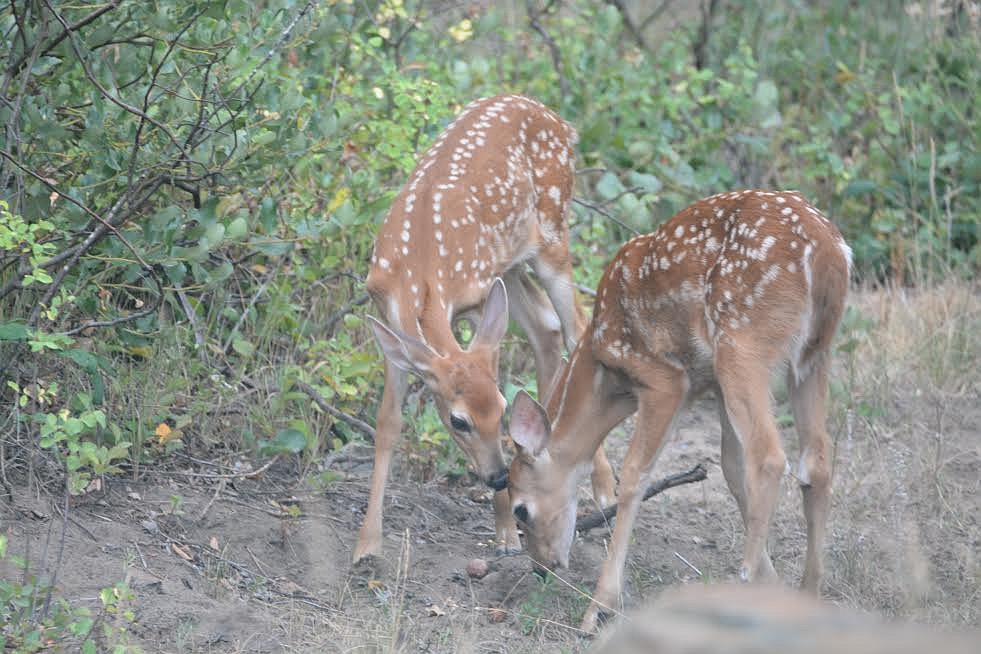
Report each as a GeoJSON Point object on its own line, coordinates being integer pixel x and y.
{"type": "Point", "coordinates": [746, 394]}
{"type": "Point", "coordinates": [808, 399]}
{"type": "Point", "coordinates": [556, 278]}
{"type": "Point", "coordinates": [657, 409]}
{"type": "Point", "coordinates": [387, 433]}
{"type": "Point", "coordinates": [529, 307]}
{"type": "Point", "coordinates": [507, 539]}
{"type": "Point", "coordinates": [733, 464]}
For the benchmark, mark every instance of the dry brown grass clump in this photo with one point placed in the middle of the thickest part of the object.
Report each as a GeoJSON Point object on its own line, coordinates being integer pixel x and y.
{"type": "Point", "coordinates": [905, 532]}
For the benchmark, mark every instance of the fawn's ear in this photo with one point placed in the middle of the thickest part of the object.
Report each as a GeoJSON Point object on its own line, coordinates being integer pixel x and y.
{"type": "Point", "coordinates": [494, 322]}
{"type": "Point", "coordinates": [560, 377]}
{"type": "Point", "coordinates": [403, 351]}
{"type": "Point", "coordinates": [529, 425]}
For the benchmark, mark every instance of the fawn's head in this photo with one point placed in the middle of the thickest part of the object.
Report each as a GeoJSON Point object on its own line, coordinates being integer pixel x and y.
{"type": "Point", "coordinates": [542, 492]}
{"type": "Point", "coordinates": [463, 384]}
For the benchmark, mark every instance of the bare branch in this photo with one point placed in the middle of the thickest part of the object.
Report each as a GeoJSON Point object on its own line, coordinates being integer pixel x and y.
{"type": "Point", "coordinates": [146, 311]}
{"type": "Point", "coordinates": [340, 313]}
{"type": "Point", "coordinates": [598, 518]}
{"type": "Point", "coordinates": [700, 47]}
{"type": "Point", "coordinates": [74, 27]}
{"type": "Point", "coordinates": [604, 212]}
{"type": "Point", "coordinates": [357, 423]}
{"type": "Point", "coordinates": [149, 89]}
{"type": "Point", "coordinates": [553, 48]}
{"type": "Point", "coordinates": [655, 15]}
{"type": "Point", "coordinates": [13, 123]}
{"type": "Point", "coordinates": [284, 35]}
{"type": "Point", "coordinates": [629, 23]}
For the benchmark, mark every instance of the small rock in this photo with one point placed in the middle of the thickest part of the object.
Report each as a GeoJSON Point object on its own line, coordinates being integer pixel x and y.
{"type": "Point", "coordinates": [477, 568]}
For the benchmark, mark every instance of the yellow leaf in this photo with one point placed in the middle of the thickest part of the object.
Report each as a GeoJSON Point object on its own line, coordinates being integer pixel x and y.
{"type": "Point", "coordinates": [844, 74]}
{"type": "Point", "coordinates": [375, 584]}
{"type": "Point", "coordinates": [461, 31]}
{"type": "Point", "coordinates": [338, 199]}
{"type": "Point", "coordinates": [142, 351]}
{"type": "Point", "coordinates": [165, 434]}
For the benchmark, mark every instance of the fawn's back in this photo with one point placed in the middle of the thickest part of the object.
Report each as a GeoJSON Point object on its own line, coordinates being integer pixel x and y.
{"type": "Point", "coordinates": [761, 269]}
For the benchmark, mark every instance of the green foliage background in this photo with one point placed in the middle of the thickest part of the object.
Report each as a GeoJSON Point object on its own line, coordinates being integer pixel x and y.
{"type": "Point", "coordinates": [191, 189]}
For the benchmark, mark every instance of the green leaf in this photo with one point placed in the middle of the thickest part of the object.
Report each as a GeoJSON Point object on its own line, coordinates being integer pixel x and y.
{"type": "Point", "coordinates": [87, 361]}
{"type": "Point", "coordinates": [243, 347]}
{"type": "Point", "coordinates": [237, 229]}
{"type": "Point", "coordinates": [860, 187]}
{"type": "Point", "coordinates": [213, 236]}
{"type": "Point", "coordinates": [263, 137]}
{"type": "Point", "coordinates": [13, 331]}
{"type": "Point", "coordinates": [647, 182]}
{"type": "Point", "coordinates": [609, 186]}
{"type": "Point", "coordinates": [767, 101]}
{"type": "Point", "coordinates": [287, 441]}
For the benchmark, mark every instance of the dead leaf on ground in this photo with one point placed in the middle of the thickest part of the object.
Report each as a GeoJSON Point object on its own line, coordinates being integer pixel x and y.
{"type": "Point", "coordinates": [497, 615]}
{"type": "Point", "coordinates": [213, 543]}
{"type": "Point", "coordinates": [435, 611]}
{"type": "Point", "coordinates": [376, 584]}
{"type": "Point", "coordinates": [181, 552]}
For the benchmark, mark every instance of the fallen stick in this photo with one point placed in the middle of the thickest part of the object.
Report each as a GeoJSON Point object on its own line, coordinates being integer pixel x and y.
{"type": "Point", "coordinates": [597, 518]}
{"type": "Point", "coordinates": [358, 424]}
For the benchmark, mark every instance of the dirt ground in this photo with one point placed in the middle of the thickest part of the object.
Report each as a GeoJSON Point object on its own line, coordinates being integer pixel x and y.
{"type": "Point", "coordinates": [263, 565]}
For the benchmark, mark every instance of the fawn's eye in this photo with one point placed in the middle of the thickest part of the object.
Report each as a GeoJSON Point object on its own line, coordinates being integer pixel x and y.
{"type": "Point", "coordinates": [459, 423]}
{"type": "Point", "coordinates": [521, 513]}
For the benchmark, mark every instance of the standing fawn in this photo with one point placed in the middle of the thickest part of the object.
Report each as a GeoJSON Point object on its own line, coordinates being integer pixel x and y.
{"type": "Point", "coordinates": [487, 200]}
{"type": "Point", "coordinates": [717, 298]}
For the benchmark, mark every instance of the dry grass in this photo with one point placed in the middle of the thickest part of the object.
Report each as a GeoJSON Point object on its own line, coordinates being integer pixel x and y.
{"type": "Point", "coordinates": [904, 531]}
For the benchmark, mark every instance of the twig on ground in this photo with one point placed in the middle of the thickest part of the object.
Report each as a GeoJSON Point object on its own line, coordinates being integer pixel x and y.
{"type": "Point", "coordinates": [597, 518]}
{"type": "Point", "coordinates": [85, 529]}
{"type": "Point", "coordinates": [357, 423]}
{"type": "Point", "coordinates": [689, 564]}
{"type": "Point", "coordinates": [207, 507]}
{"type": "Point", "coordinates": [232, 475]}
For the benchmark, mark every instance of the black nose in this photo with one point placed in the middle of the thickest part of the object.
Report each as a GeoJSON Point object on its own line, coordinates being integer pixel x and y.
{"type": "Point", "coordinates": [500, 482]}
